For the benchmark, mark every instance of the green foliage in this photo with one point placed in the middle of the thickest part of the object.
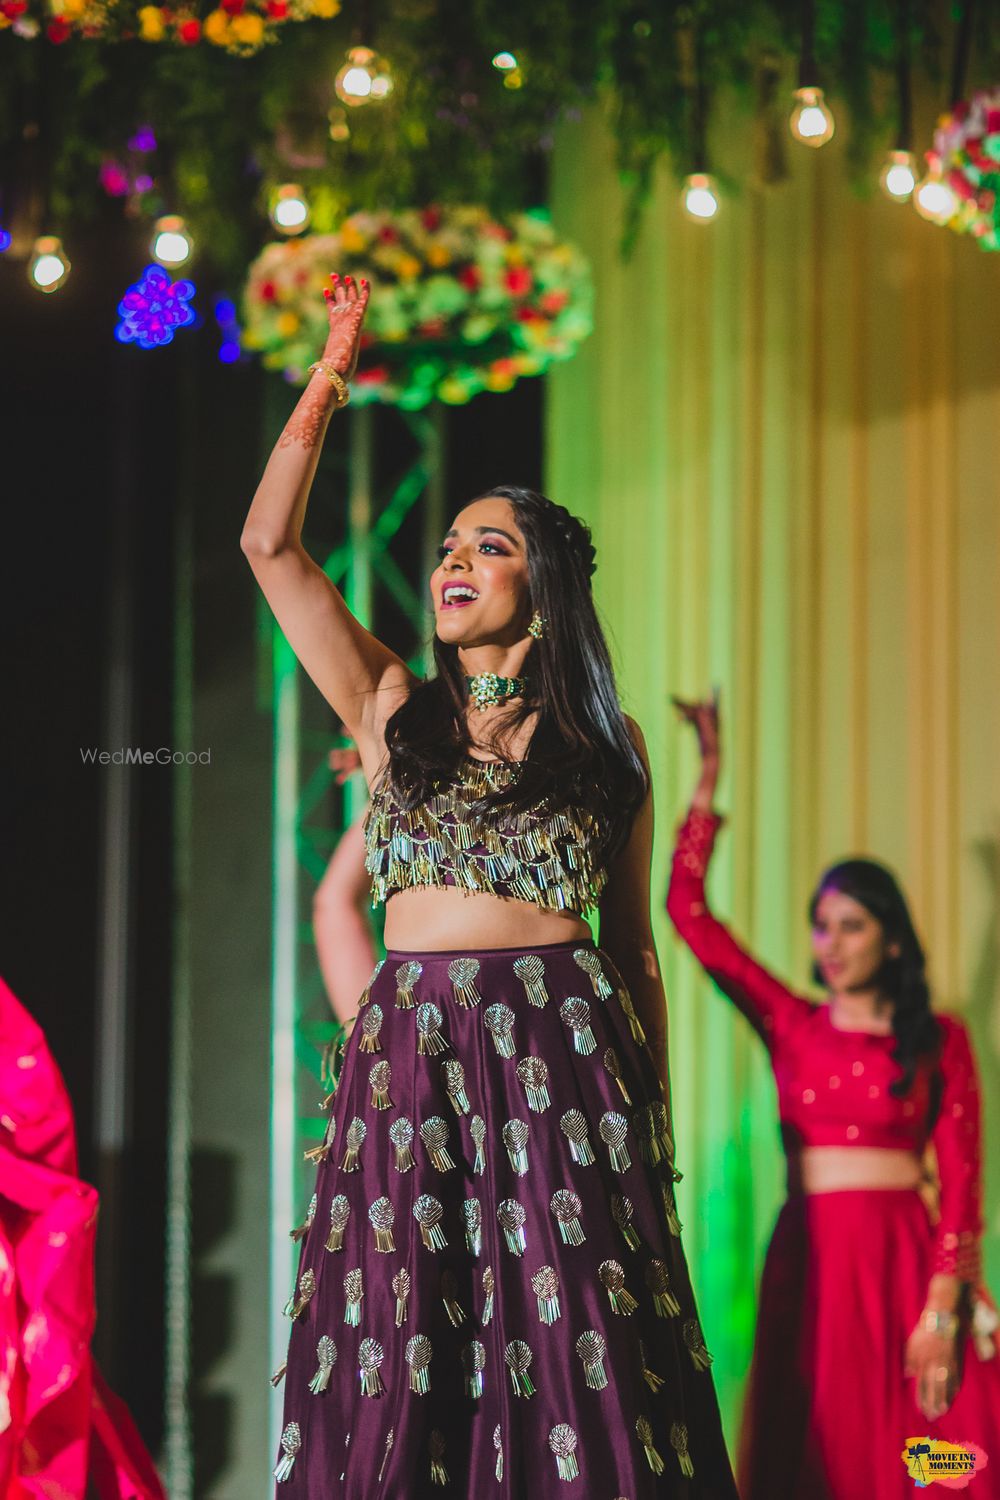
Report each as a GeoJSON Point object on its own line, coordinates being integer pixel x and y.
{"type": "Point", "coordinates": [229, 128]}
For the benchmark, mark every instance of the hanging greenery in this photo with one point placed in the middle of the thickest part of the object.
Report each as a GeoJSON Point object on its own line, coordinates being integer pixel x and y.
{"type": "Point", "coordinates": [455, 127]}
{"type": "Point", "coordinates": [461, 302]}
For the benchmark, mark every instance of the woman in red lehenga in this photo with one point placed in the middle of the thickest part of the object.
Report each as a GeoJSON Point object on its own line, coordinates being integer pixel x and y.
{"type": "Point", "coordinates": [872, 1327]}
{"type": "Point", "coordinates": [63, 1434]}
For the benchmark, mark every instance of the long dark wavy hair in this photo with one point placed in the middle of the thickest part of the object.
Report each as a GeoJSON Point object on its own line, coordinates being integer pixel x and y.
{"type": "Point", "coordinates": [581, 753]}
{"type": "Point", "coordinates": [902, 979]}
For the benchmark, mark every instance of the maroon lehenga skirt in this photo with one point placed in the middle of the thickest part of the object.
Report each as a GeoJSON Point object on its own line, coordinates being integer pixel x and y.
{"type": "Point", "coordinates": [829, 1412]}
{"type": "Point", "coordinates": [492, 1297]}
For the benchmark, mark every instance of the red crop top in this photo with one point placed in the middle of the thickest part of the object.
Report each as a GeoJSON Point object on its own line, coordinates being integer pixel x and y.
{"type": "Point", "coordinates": [833, 1085]}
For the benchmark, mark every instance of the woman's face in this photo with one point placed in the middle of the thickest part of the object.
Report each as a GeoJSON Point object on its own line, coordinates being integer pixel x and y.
{"type": "Point", "coordinates": [849, 944]}
{"type": "Point", "coordinates": [480, 587]}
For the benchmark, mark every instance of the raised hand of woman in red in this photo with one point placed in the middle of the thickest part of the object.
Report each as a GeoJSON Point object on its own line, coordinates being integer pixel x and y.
{"type": "Point", "coordinates": [703, 714]}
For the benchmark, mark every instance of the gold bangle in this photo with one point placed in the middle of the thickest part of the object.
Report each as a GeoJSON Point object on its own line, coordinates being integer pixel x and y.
{"type": "Point", "coordinates": [934, 1321]}
{"type": "Point", "coordinates": [335, 378]}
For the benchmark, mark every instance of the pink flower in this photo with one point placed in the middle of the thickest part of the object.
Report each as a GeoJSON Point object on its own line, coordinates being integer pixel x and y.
{"type": "Point", "coordinates": [518, 281]}
{"type": "Point", "coordinates": [114, 179]}
{"type": "Point", "coordinates": [553, 302]}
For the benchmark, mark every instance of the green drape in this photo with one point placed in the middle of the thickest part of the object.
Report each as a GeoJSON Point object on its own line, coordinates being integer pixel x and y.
{"type": "Point", "coordinates": [784, 436]}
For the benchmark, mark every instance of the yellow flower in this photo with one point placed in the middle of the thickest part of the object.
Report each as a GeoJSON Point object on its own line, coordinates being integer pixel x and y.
{"type": "Point", "coordinates": [3, 21]}
{"type": "Point", "coordinates": [151, 23]}
{"type": "Point", "coordinates": [351, 240]}
{"type": "Point", "coordinates": [216, 28]}
{"type": "Point", "coordinates": [500, 382]}
{"type": "Point", "coordinates": [453, 391]}
{"type": "Point", "coordinates": [287, 324]}
{"type": "Point", "coordinates": [248, 29]}
{"type": "Point", "coordinates": [514, 255]}
{"type": "Point", "coordinates": [73, 8]}
{"type": "Point", "coordinates": [407, 267]}
{"type": "Point", "coordinates": [438, 256]}
{"type": "Point", "coordinates": [323, 8]}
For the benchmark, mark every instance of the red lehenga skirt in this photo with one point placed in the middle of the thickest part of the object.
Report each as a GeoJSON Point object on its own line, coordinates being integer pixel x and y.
{"type": "Point", "coordinates": [828, 1410]}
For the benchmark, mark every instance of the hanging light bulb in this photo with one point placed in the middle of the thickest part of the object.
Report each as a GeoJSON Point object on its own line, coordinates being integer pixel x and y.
{"type": "Point", "coordinates": [898, 176]}
{"type": "Point", "coordinates": [364, 77]}
{"type": "Point", "coordinates": [49, 265]}
{"type": "Point", "coordinates": [933, 198]}
{"type": "Point", "coordinates": [172, 244]}
{"type": "Point", "coordinates": [699, 197]}
{"type": "Point", "coordinates": [289, 212]}
{"type": "Point", "coordinates": [811, 121]}
{"type": "Point", "coordinates": [504, 62]}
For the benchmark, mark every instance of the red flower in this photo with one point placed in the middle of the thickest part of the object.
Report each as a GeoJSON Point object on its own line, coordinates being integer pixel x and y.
{"type": "Point", "coordinates": [388, 235]}
{"type": "Point", "coordinates": [58, 29]}
{"type": "Point", "coordinates": [367, 339]}
{"type": "Point", "coordinates": [518, 281]}
{"type": "Point", "coordinates": [553, 302]}
{"type": "Point", "coordinates": [268, 291]}
{"type": "Point", "coordinates": [277, 10]}
{"type": "Point", "coordinates": [374, 375]}
{"type": "Point", "coordinates": [470, 278]}
{"type": "Point", "coordinates": [526, 315]}
{"type": "Point", "coordinates": [992, 121]}
{"type": "Point", "coordinates": [431, 219]}
{"type": "Point", "coordinates": [14, 8]}
{"type": "Point", "coordinates": [189, 31]}
{"type": "Point", "coordinates": [233, 7]}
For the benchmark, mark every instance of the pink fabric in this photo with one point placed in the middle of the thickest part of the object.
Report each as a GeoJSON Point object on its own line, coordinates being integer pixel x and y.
{"type": "Point", "coordinates": [828, 1409]}
{"type": "Point", "coordinates": [60, 1428]}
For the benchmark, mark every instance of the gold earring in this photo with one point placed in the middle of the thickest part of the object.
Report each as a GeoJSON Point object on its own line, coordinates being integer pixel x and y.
{"type": "Point", "coordinates": [537, 627]}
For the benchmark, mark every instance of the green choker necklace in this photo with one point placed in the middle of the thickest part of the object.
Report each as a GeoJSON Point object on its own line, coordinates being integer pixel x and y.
{"type": "Point", "coordinates": [487, 689]}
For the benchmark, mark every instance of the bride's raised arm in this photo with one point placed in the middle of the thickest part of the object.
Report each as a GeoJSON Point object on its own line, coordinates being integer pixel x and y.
{"type": "Point", "coordinates": [362, 680]}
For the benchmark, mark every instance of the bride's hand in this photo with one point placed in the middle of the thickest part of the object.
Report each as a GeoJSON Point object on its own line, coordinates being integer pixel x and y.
{"type": "Point", "coordinates": [346, 304]}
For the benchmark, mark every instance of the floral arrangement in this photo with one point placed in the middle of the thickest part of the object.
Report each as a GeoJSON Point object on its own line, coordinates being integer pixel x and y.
{"type": "Point", "coordinates": [461, 302]}
{"type": "Point", "coordinates": [967, 149]}
{"type": "Point", "coordinates": [241, 27]}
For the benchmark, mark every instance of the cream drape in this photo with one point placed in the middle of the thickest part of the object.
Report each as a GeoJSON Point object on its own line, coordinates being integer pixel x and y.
{"type": "Point", "coordinates": [784, 434]}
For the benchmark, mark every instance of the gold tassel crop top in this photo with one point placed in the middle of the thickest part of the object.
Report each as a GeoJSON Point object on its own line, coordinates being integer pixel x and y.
{"type": "Point", "coordinates": [552, 859]}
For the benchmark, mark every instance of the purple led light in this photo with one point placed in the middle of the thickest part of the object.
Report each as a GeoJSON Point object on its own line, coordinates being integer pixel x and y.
{"type": "Point", "coordinates": [5, 240]}
{"type": "Point", "coordinates": [226, 317]}
{"type": "Point", "coordinates": [143, 140]}
{"type": "Point", "coordinates": [153, 309]}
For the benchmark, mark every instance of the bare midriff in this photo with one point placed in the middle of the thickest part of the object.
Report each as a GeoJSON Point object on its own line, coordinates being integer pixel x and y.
{"type": "Point", "coordinates": [839, 1169]}
{"type": "Point", "coordinates": [426, 920]}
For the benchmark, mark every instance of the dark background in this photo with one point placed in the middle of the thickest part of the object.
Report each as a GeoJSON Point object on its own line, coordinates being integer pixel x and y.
{"type": "Point", "coordinates": [97, 441]}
